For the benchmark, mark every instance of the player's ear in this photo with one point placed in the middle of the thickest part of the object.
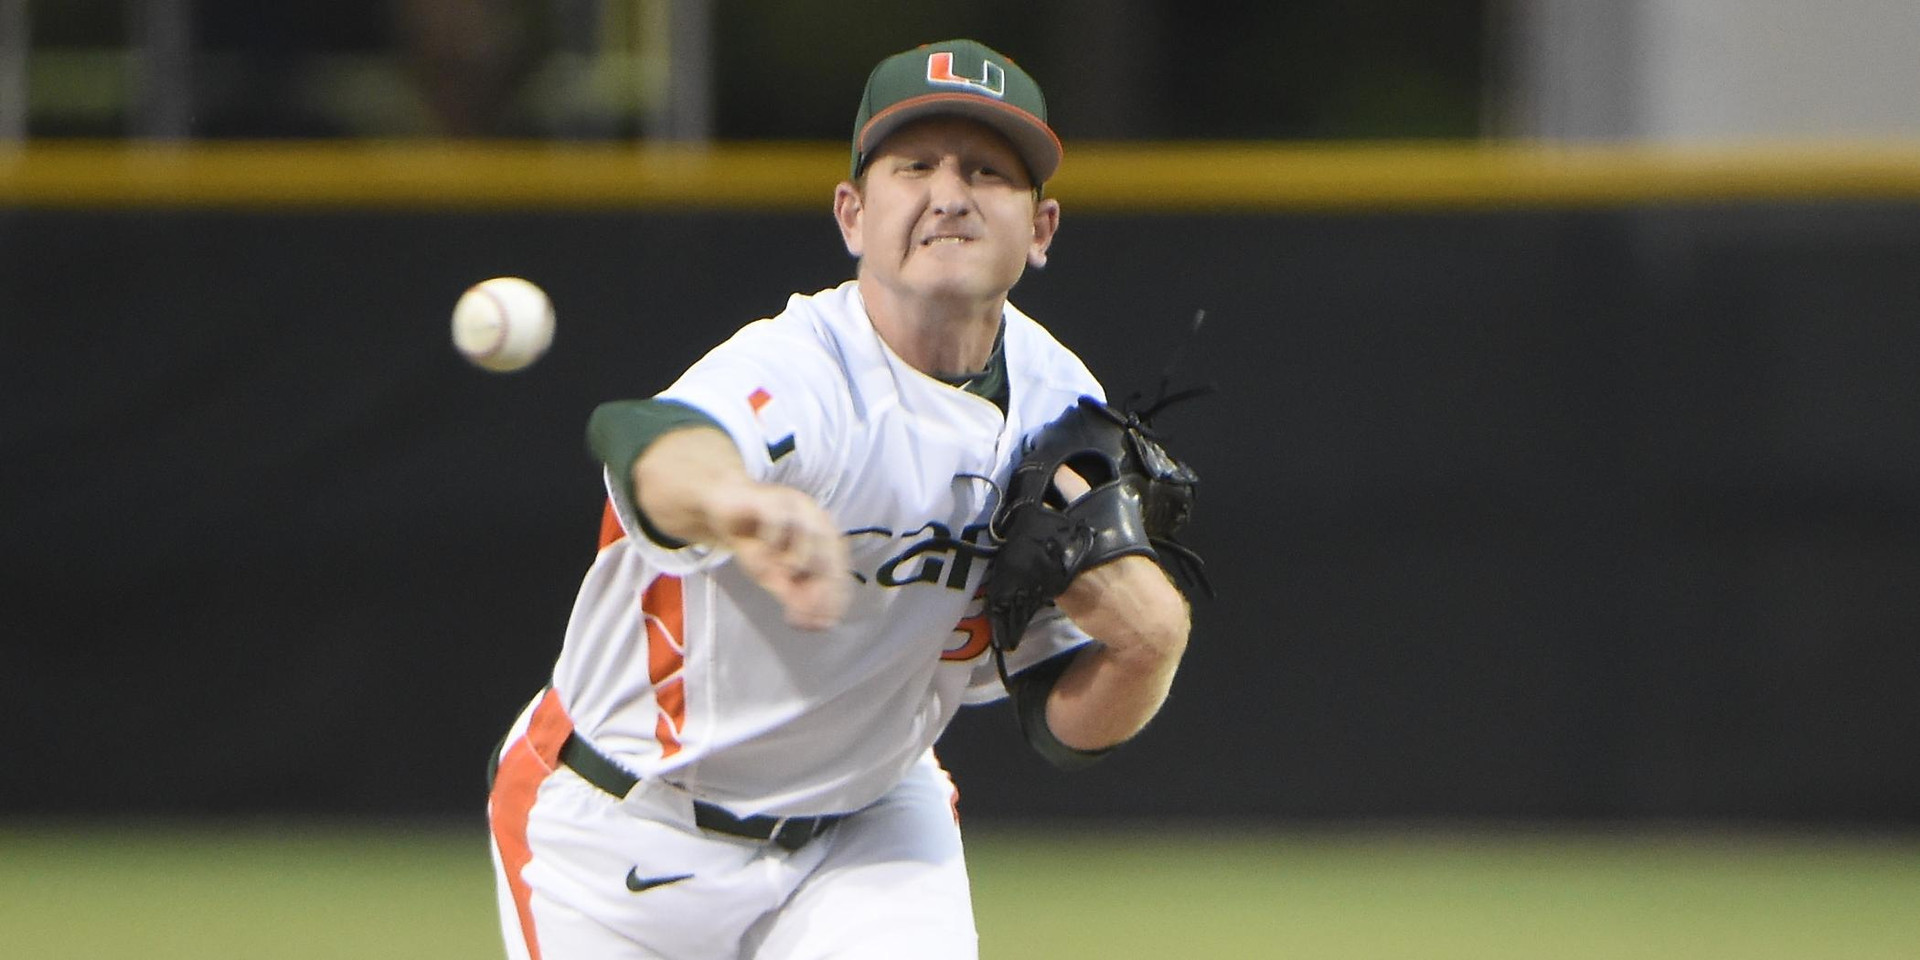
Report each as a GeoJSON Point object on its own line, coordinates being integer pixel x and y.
{"type": "Point", "coordinates": [847, 207]}
{"type": "Point", "coordinates": [1046, 222]}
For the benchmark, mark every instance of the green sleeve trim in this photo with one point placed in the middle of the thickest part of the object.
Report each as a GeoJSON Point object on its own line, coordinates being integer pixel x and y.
{"type": "Point", "coordinates": [620, 430]}
{"type": "Point", "coordinates": [1031, 687]}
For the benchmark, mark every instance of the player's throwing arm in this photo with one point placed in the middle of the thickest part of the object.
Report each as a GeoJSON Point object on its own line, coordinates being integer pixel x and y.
{"type": "Point", "coordinates": [693, 486]}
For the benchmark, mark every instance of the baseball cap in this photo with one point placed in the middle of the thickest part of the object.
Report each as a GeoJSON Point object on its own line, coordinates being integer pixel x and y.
{"type": "Point", "coordinates": [962, 78]}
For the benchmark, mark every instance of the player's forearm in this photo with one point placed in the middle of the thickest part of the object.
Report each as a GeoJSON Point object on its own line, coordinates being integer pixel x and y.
{"type": "Point", "coordinates": [675, 478]}
{"type": "Point", "coordinates": [1117, 685]}
{"type": "Point", "coordinates": [1104, 699]}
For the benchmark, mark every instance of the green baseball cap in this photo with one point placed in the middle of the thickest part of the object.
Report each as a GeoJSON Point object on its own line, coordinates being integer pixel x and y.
{"type": "Point", "coordinates": [957, 78]}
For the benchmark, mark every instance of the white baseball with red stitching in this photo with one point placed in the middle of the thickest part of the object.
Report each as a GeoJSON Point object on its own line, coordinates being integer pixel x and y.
{"type": "Point", "coordinates": [503, 324]}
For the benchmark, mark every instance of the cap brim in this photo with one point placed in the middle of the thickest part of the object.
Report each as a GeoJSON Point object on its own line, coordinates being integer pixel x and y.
{"type": "Point", "coordinates": [1031, 137]}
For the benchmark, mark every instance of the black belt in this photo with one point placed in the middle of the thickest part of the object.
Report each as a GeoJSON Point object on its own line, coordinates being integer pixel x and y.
{"type": "Point", "coordinates": [791, 833]}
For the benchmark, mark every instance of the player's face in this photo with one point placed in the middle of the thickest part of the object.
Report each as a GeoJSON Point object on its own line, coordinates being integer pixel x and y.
{"type": "Point", "coordinates": [947, 212]}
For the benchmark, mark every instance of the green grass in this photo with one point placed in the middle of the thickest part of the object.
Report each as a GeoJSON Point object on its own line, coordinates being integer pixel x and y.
{"type": "Point", "coordinates": [1436, 896]}
{"type": "Point", "coordinates": [249, 892]}
{"type": "Point", "coordinates": [297, 892]}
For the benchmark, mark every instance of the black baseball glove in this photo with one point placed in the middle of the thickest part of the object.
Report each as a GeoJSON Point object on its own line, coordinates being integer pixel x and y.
{"type": "Point", "coordinates": [1140, 497]}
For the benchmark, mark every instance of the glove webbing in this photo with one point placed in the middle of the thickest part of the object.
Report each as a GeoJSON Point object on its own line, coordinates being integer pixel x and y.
{"type": "Point", "coordinates": [1188, 566]}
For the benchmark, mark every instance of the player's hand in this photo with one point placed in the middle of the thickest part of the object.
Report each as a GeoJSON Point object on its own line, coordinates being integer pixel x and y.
{"type": "Point", "coordinates": [789, 545]}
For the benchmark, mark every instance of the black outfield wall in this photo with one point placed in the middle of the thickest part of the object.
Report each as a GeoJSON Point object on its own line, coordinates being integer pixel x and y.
{"type": "Point", "coordinates": [1528, 514]}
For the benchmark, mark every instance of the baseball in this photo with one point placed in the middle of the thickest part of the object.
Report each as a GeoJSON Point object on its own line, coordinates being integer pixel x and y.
{"type": "Point", "coordinates": [503, 324]}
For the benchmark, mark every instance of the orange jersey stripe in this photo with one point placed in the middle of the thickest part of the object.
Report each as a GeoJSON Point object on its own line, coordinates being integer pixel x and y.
{"type": "Point", "coordinates": [664, 607]}
{"type": "Point", "coordinates": [517, 783]}
{"type": "Point", "coordinates": [661, 607]}
{"type": "Point", "coordinates": [663, 731]}
{"type": "Point", "coordinates": [672, 697]}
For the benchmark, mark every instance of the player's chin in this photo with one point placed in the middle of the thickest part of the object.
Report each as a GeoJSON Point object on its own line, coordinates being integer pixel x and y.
{"type": "Point", "coordinates": [965, 285]}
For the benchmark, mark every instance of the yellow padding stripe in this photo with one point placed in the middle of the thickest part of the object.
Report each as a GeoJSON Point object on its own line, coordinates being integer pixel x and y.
{"type": "Point", "coordinates": [1181, 177]}
{"type": "Point", "coordinates": [1225, 177]}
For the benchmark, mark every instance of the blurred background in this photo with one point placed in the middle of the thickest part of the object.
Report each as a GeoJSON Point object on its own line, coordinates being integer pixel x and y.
{"type": "Point", "coordinates": [1564, 473]}
{"type": "Point", "coordinates": [726, 69]}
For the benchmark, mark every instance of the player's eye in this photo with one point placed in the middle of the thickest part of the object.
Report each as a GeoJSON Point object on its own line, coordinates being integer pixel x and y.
{"type": "Point", "coordinates": [998, 174]}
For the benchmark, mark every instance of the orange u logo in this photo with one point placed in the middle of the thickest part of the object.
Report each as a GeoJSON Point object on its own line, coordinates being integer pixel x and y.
{"type": "Point", "coordinates": [992, 82]}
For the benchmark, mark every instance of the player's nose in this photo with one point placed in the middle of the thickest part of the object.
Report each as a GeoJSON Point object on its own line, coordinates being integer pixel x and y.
{"type": "Point", "coordinates": [949, 191]}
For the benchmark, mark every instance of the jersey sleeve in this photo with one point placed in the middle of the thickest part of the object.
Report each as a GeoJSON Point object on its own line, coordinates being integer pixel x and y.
{"type": "Point", "coordinates": [1049, 635]}
{"type": "Point", "coordinates": [768, 393]}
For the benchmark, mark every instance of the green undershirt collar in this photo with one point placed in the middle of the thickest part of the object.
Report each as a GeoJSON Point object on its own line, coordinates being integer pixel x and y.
{"type": "Point", "coordinates": [990, 382]}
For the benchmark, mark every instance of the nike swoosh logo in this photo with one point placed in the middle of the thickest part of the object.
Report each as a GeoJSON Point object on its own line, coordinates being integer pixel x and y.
{"type": "Point", "coordinates": [640, 884]}
{"type": "Point", "coordinates": [780, 448]}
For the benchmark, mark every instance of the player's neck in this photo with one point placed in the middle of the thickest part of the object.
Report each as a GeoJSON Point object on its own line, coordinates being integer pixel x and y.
{"type": "Point", "coordinates": [937, 338]}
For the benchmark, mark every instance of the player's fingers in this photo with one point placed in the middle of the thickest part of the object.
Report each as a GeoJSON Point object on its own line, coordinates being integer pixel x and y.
{"type": "Point", "coordinates": [783, 530]}
{"type": "Point", "coordinates": [816, 603]}
{"type": "Point", "coordinates": [814, 545]}
{"type": "Point", "coordinates": [755, 514]}
{"type": "Point", "coordinates": [817, 588]}
{"type": "Point", "coordinates": [811, 599]}
{"type": "Point", "coordinates": [830, 585]}
{"type": "Point", "coordinates": [789, 545]}
{"type": "Point", "coordinates": [1070, 484]}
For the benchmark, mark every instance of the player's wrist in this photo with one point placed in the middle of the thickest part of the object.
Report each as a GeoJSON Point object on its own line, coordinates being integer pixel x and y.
{"type": "Point", "coordinates": [685, 478]}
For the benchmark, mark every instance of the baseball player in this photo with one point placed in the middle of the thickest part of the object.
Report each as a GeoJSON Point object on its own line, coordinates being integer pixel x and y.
{"type": "Point", "coordinates": [734, 757]}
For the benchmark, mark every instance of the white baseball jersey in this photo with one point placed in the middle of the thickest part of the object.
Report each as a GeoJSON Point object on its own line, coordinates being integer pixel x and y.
{"type": "Point", "coordinates": [683, 670]}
